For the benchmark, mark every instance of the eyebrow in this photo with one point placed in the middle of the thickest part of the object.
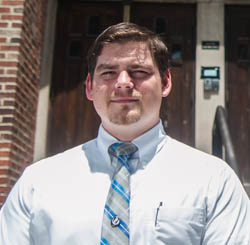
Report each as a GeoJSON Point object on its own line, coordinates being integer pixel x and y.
{"type": "Point", "coordinates": [136, 66]}
{"type": "Point", "coordinates": [105, 66]}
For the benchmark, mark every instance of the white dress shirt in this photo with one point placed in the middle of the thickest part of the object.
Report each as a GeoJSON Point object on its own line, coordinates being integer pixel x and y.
{"type": "Point", "coordinates": [179, 195]}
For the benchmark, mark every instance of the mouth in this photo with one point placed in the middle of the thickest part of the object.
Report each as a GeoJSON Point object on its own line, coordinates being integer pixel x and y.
{"type": "Point", "coordinates": [124, 100]}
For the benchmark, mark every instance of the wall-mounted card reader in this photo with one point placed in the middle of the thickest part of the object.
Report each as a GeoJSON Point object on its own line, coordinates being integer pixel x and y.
{"type": "Point", "coordinates": [211, 76]}
{"type": "Point", "coordinates": [211, 85]}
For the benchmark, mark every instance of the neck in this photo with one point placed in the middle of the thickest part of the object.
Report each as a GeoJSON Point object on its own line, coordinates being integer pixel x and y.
{"type": "Point", "coordinates": [128, 133]}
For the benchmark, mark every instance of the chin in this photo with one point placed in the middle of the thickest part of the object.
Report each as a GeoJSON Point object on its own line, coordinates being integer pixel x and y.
{"type": "Point", "coordinates": [125, 118]}
{"type": "Point", "coordinates": [124, 121]}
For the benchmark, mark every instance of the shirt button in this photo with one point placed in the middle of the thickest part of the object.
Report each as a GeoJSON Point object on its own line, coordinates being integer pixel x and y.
{"type": "Point", "coordinates": [115, 221]}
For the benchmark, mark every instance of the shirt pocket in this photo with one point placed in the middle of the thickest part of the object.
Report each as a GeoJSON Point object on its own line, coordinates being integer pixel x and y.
{"type": "Point", "coordinates": [181, 225]}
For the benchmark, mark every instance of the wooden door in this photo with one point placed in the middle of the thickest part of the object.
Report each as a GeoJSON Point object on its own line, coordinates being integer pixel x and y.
{"type": "Point", "coordinates": [237, 37]}
{"type": "Point", "coordinates": [176, 24]}
{"type": "Point", "coordinates": [72, 117]}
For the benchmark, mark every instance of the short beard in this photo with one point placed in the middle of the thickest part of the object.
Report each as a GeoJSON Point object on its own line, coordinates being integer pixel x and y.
{"type": "Point", "coordinates": [124, 118]}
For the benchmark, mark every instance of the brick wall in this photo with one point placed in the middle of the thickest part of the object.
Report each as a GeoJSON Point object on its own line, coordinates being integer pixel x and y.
{"type": "Point", "coordinates": [21, 38]}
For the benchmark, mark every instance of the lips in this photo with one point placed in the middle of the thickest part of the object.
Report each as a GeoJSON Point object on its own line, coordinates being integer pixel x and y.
{"type": "Point", "coordinates": [124, 100]}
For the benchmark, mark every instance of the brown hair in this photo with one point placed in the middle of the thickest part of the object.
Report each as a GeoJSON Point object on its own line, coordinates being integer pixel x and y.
{"type": "Point", "coordinates": [125, 32]}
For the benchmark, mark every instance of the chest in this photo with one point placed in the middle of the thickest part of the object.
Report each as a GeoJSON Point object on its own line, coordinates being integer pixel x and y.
{"type": "Point", "coordinates": [166, 207]}
{"type": "Point", "coordinates": [163, 210]}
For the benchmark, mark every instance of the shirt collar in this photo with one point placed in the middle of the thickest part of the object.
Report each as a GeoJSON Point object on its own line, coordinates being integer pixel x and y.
{"type": "Point", "coordinates": [148, 144]}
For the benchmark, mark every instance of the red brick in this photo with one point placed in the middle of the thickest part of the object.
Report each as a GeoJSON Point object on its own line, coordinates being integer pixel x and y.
{"type": "Point", "coordinates": [4, 162]}
{"type": "Point", "coordinates": [7, 95]}
{"type": "Point", "coordinates": [4, 10]}
{"type": "Point", "coordinates": [12, 2]}
{"type": "Point", "coordinates": [15, 40]}
{"type": "Point", "coordinates": [12, 17]}
{"type": "Point", "coordinates": [9, 103]}
{"type": "Point", "coordinates": [4, 154]}
{"type": "Point", "coordinates": [6, 128]}
{"type": "Point", "coordinates": [16, 25]}
{"type": "Point", "coordinates": [6, 111]}
{"type": "Point", "coordinates": [8, 79]}
{"type": "Point", "coordinates": [11, 87]}
{"type": "Point", "coordinates": [4, 171]}
{"type": "Point", "coordinates": [8, 120]}
{"type": "Point", "coordinates": [9, 48]}
{"type": "Point", "coordinates": [6, 136]}
{"type": "Point", "coordinates": [4, 189]}
{"type": "Point", "coordinates": [5, 145]}
{"type": "Point", "coordinates": [12, 72]}
{"type": "Point", "coordinates": [8, 63]}
{"type": "Point", "coordinates": [3, 39]}
{"type": "Point", "coordinates": [2, 24]}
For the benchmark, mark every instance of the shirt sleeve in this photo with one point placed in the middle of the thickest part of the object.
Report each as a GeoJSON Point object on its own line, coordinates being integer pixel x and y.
{"type": "Point", "coordinates": [15, 215]}
{"type": "Point", "coordinates": [228, 211]}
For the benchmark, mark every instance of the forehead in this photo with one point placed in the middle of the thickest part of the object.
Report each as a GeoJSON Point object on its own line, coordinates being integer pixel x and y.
{"type": "Point", "coordinates": [137, 52]}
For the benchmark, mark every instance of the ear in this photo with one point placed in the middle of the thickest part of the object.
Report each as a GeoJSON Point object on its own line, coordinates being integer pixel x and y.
{"type": "Point", "coordinates": [166, 84]}
{"type": "Point", "coordinates": [88, 89]}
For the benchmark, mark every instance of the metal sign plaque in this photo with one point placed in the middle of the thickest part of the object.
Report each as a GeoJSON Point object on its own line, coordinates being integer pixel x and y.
{"type": "Point", "coordinates": [210, 45]}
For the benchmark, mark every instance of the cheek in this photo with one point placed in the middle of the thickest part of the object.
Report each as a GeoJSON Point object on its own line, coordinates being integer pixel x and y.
{"type": "Point", "coordinates": [99, 90]}
{"type": "Point", "coordinates": [151, 92]}
{"type": "Point", "coordinates": [100, 95]}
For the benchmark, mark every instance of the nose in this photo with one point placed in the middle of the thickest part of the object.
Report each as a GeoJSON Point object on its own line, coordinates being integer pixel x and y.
{"type": "Point", "coordinates": [124, 81]}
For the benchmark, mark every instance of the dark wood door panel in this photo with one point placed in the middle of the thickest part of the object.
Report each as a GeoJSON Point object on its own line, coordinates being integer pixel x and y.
{"type": "Point", "coordinates": [176, 24]}
{"type": "Point", "coordinates": [238, 82]}
{"type": "Point", "coordinates": [73, 119]}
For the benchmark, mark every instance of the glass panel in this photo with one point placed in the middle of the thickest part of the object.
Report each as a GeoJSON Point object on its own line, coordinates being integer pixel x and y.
{"type": "Point", "coordinates": [243, 52]}
{"type": "Point", "coordinates": [94, 25]}
{"type": "Point", "coordinates": [160, 25]}
{"type": "Point", "coordinates": [176, 54]}
{"type": "Point", "coordinates": [75, 49]}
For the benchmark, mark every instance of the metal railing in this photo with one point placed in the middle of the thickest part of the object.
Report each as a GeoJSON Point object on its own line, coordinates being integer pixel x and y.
{"type": "Point", "coordinates": [221, 136]}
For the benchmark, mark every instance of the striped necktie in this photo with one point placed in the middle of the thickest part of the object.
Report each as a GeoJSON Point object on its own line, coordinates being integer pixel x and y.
{"type": "Point", "coordinates": [115, 227]}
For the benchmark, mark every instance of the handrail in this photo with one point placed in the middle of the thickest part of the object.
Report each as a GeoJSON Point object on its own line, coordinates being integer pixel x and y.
{"type": "Point", "coordinates": [222, 136]}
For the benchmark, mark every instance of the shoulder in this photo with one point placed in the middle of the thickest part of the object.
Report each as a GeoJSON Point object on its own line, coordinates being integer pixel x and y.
{"type": "Point", "coordinates": [191, 157]}
{"type": "Point", "coordinates": [201, 167]}
{"type": "Point", "coordinates": [61, 165]}
{"type": "Point", "coordinates": [196, 167]}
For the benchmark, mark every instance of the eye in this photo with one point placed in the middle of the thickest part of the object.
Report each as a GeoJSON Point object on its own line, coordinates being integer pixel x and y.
{"type": "Point", "coordinates": [139, 74]}
{"type": "Point", "coordinates": [108, 75]}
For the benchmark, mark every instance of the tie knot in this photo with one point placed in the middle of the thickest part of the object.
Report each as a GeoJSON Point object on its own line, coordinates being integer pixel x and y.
{"type": "Point", "coordinates": [122, 149]}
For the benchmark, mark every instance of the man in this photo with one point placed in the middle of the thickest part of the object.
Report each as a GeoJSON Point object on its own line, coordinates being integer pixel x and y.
{"type": "Point", "coordinates": [132, 184]}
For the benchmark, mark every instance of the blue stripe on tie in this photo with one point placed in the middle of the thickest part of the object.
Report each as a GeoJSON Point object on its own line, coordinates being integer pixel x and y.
{"type": "Point", "coordinates": [120, 190]}
{"type": "Point", "coordinates": [114, 146]}
{"type": "Point", "coordinates": [122, 226]}
{"type": "Point", "coordinates": [123, 161]}
{"type": "Point", "coordinates": [108, 212]}
{"type": "Point", "coordinates": [104, 241]}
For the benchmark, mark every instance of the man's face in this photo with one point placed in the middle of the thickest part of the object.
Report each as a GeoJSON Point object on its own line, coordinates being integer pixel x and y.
{"type": "Point", "coordinates": [126, 87]}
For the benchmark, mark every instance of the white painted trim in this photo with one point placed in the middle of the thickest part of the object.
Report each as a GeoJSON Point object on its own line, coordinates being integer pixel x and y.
{"type": "Point", "coordinates": [210, 27]}
{"type": "Point", "coordinates": [45, 83]}
{"type": "Point", "coordinates": [126, 13]}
